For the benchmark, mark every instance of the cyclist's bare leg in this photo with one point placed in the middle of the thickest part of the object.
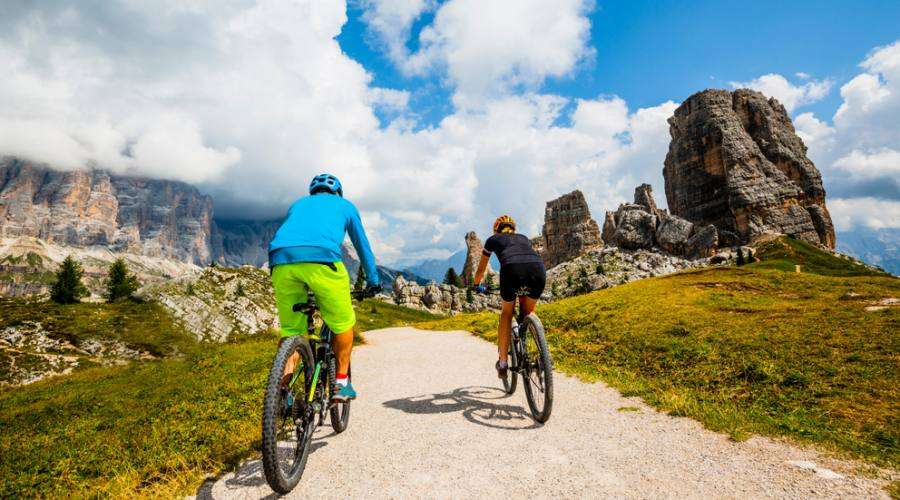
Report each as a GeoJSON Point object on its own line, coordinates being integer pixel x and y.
{"type": "Point", "coordinates": [343, 344]}
{"type": "Point", "coordinates": [290, 366]}
{"type": "Point", "coordinates": [503, 330]}
{"type": "Point", "coordinates": [528, 305]}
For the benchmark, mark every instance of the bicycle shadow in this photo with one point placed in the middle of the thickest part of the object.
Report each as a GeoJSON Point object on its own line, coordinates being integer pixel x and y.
{"type": "Point", "coordinates": [478, 404]}
{"type": "Point", "coordinates": [249, 474]}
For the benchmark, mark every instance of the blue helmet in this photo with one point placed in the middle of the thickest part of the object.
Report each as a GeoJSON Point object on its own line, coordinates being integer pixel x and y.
{"type": "Point", "coordinates": [326, 182]}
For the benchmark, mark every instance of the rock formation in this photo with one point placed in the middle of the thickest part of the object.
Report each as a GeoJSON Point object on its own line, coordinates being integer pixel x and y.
{"type": "Point", "coordinates": [474, 249]}
{"type": "Point", "coordinates": [642, 226]}
{"type": "Point", "coordinates": [736, 162]}
{"type": "Point", "coordinates": [91, 207]}
{"type": "Point", "coordinates": [610, 266]}
{"type": "Point", "coordinates": [569, 230]}
{"type": "Point", "coordinates": [440, 298]}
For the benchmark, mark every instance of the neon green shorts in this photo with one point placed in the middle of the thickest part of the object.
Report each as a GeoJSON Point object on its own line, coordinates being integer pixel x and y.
{"type": "Point", "coordinates": [332, 289]}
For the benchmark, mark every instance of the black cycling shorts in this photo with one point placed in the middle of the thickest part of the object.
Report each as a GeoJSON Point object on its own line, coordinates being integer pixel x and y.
{"type": "Point", "coordinates": [527, 278]}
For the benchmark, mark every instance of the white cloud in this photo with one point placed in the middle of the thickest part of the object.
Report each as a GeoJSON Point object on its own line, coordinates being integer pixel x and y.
{"type": "Point", "coordinates": [847, 213]}
{"type": "Point", "coordinates": [882, 162]}
{"type": "Point", "coordinates": [486, 48]}
{"type": "Point", "coordinates": [790, 95]}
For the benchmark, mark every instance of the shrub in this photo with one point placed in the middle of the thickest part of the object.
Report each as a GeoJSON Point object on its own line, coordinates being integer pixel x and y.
{"type": "Point", "coordinates": [451, 278]}
{"type": "Point", "coordinates": [68, 288]}
{"type": "Point", "coordinates": [239, 290]}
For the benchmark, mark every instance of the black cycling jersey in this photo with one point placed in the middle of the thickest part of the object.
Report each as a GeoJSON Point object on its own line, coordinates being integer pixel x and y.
{"type": "Point", "coordinates": [511, 248]}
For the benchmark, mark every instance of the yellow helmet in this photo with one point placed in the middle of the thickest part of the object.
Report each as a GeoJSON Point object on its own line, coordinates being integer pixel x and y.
{"type": "Point", "coordinates": [504, 221]}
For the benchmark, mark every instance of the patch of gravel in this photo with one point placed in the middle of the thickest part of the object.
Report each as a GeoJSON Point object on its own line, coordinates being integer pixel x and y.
{"type": "Point", "coordinates": [431, 421]}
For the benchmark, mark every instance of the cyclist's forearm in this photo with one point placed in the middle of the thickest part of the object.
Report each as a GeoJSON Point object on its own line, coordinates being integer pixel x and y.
{"type": "Point", "coordinates": [482, 266]}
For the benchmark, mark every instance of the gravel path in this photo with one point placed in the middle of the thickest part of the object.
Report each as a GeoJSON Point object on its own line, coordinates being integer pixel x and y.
{"type": "Point", "coordinates": [431, 421]}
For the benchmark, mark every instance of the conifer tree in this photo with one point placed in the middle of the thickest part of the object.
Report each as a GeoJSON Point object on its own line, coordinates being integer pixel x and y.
{"type": "Point", "coordinates": [68, 288]}
{"type": "Point", "coordinates": [120, 284]}
{"type": "Point", "coordinates": [360, 284]}
{"type": "Point", "coordinates": [451, 278]}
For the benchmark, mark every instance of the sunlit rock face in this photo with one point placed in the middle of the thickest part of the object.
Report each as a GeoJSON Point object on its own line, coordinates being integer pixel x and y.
{"type": "Point", "coordinates": [736, 162]}
{"type": "Point", "coordinates": [569, 230]}
{"type": "Point", "coordinates": [93, 208]}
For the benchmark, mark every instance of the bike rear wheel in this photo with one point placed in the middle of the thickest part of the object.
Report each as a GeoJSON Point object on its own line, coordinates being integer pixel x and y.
{"type": "Point", "coordinates": [340, 412]}
{"type": "Point", "coordinates": [537, 374]}
{"type": "Point", "coordinates": [287, 431]}
{"type": "Point", "coordinates": [511, 379]}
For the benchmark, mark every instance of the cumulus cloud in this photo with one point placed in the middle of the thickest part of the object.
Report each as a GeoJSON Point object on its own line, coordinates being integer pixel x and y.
{"type": "Point", "coordinates": [847, 213]}
{"type": "Point", "coordinates": [486, 48]}
{"type": "Point", "coordinates": [790, 95]}
{"type": "Point", "coordinates": [249, 99]}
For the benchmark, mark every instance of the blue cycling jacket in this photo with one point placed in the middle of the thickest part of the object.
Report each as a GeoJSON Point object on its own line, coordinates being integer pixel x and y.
{"type": "Point", "coordinates": [314, 230]}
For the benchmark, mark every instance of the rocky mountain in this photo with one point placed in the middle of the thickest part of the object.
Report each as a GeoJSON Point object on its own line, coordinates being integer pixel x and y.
{"type": "Point", "coordinates": [435, 269]}
{"type": "Point", "coordinates": [736, 162]}
{"type": "Point", "coordinates": [568, 230]}
{"type": "Point", "coordinates": [879, 247]}
{"type": "Point", "coordinates": [239, 242]}
{"type": "Point", "coordinates": [86, 208]}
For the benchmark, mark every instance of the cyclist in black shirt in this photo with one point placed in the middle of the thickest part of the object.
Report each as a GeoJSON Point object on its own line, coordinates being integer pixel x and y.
{"type": "Point", "coordinates": [522, 274]}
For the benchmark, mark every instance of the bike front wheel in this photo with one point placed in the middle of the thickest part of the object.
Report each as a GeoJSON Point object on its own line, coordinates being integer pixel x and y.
{"type": "Point", "coordinates": [288, 420]}
{"type": "Point", "coordinates": [537, 373]}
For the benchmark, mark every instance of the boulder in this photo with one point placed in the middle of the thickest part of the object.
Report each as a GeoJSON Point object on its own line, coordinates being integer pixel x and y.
{"type": "Point", "coordinates": [703, 243]}
{"type": "Point", "coordinates": [736, 162]}
{"type": "Point", "coordinates": [635, 228]}
{"type": "Point", "coordinates": [673, 233]}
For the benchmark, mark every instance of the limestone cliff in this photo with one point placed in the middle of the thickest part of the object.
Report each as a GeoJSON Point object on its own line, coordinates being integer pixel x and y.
{"type": "Point", "coordinates": [736, 162]}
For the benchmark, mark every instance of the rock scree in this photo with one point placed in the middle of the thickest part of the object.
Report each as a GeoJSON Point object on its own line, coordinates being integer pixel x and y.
{"type": "Point", "coordinates": [736, 162]}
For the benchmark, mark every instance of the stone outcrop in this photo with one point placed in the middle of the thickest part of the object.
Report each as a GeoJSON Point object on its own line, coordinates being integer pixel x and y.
{"type": "Point", "coordinates": [93, 208]}
{"type": "Point", "coordinates": [215, 303]}
{"type": "Point", "coordinates": [736, 162]}
{"type": "Point", "coordinates": [474, 249]}
{"type": "Point", "coordinates": [641, 225]}
{"type": "Point", "coordinates": [610, 266]}
{"type": "Point", "coordinates": [569, 230]}
{"type": "Point", "coordinates": [440, 298]}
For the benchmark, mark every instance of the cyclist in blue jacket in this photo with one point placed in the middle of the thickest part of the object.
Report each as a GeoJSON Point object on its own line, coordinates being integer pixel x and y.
{"type": "Point", "coordinates": [305, 254]}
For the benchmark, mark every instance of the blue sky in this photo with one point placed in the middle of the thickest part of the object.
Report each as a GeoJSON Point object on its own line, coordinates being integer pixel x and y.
{"type": "Point", "coordinates": [650, 51]}
{"type": "Point", "coordinates": [440, 115]}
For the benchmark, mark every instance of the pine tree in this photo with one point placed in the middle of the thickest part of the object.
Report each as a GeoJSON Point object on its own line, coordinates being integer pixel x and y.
{"type": "Point", "coordinates": [740, 257]}
{"type": "Point", "coordinates": [470, 297]}
{"type": "Point", "coordinates": [120, 284]}
{"type": "Point", "coordinates": [360, 284]}
{"type": "Point", "coordinates": [68, 288]}
{"type": "Point", "coordinates": [451, 278]}
{"type": "Point", "coordinates": [489, 281]}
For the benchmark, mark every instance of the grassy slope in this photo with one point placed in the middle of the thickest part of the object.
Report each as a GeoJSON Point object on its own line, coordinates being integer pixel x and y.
{"type": "Point", "coordinates": [144, 325]}
{"type": "Point", "coordinates": [149, 429]}
{"type": "Point", "coordinates": [744, 350]}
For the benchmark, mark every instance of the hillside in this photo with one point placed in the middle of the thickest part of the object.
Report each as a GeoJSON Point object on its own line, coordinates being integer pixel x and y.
{"type": "Point", "coordinates": [751, 349]}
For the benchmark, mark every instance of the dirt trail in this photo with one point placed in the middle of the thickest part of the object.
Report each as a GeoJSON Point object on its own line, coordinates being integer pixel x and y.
{"type": "Point", "coordinates": [431, 421]}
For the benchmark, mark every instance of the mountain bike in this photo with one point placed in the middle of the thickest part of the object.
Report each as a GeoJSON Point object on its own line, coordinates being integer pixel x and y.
{"type": "Point", "coordinates": [529, 357]}
{"type": "Point", "coordinates": [293, 411]}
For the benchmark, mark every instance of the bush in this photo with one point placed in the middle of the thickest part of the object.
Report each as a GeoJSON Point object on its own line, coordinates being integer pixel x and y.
{"type": "Point", "coordinates": [239, 289]}
{"type": "Point", "coordinates": [120, 284]}
{"type": "Point", "coordinates": [68, 288]}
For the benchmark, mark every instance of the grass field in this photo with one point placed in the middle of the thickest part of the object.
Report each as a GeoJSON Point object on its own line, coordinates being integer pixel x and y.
{"type": "Point", "coordinates": [748, 350]}
{"type": "Point", "coordinates": [153, 428]}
